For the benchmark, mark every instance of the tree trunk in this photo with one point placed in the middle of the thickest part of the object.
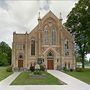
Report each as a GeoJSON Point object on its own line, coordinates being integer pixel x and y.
{"type": "Point", "coordinates": [83, 60]}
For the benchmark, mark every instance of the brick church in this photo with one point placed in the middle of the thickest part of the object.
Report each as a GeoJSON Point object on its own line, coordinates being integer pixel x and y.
{"type": "Point", "coordinates": [48, 43]}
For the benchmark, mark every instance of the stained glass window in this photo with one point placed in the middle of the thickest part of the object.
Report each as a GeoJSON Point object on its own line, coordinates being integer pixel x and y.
{"type": "Point", "coordinates": [32, 47]}
{"type": "Point", "coordinates": [66, 47]}
{"type": "Point", "coordinates": [45, 35]}
{"type": "Point", "coordinates": [54, 35]}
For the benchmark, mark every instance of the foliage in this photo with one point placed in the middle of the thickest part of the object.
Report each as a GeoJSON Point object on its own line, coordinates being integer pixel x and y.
{"type": "Point", "coordinates": [32, 68]}
{"type": "Point", "coordinates": [42, 68]}
{"type": "Point", "coordinates": [68, 69]}
{"type": "Point", "coordinates": [65, 69]}
{"type": "Point", "coordinates": [3, 59]}
{"type": "Point", "coordinates": [37, 72]}
{"type": "Point", "coordinates": [4, 73]}
{"type": "Point", "coordinates": [5, 54]}
{"type": "Point", "coordinates": [71, 70]}
{"type": "Point", "coordinates": [89, 60]}
{"type": "Point", "coordinates": [78, 58]}
{"type": "Point", "coordinates": [9, 69]}
{"type": "Point", "coordinates": [78, 23]}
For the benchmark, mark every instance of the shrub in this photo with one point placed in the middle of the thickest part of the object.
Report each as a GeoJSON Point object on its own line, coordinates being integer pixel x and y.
{"type": "Point", "coordinates": [32, 68]}
{"type": "Point", "coordinates": [42, 68]}
{"type": "Point", "coordinates": [9, 69]}
{"type": "Point", "coordinates": [71, 70]}
{"type": "Point", "coordinates": [79, 70]}
{"type": "Point", "coordinates": [65, 69]}
{"type": "Point", "coordinates": [37, 72]}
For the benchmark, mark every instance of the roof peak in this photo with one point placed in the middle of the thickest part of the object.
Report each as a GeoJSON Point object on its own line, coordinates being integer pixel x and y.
{"type": "Point", "coordinates": [50, 12]}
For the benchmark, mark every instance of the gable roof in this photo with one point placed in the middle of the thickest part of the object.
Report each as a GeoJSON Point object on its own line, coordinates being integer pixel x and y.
{"type": "Point", "coordinates": [49, 14]}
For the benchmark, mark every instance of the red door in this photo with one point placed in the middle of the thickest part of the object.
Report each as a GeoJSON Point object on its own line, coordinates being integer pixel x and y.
{"type": "Point", "coordinates": [50, 64]}
{"type": "Point", "coordinates": [20, 63]}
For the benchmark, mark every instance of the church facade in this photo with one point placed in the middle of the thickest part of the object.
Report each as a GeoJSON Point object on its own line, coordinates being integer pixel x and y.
{"type": "Point", "coordinates": [48, 43]}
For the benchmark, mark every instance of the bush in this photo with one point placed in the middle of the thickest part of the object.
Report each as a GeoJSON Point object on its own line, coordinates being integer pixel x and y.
{"type": "Point", "coordinates": [9, 69]}
{"type": "Point", "coordinates": [42, 68]}
{"type": "Point", "coordinates": [37, 72]}
{"type": "Point", "coordinates": [71, 70]}
{"type": "Point", "coordinates": [32, 68]}
{"type": "Point", "coordinates": [65, 69]}
{"type": "Point", "coordinates": [79, 70]}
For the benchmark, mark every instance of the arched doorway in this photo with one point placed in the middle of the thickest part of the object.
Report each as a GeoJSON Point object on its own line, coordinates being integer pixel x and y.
{"type": "Point", "coordinates": [50, 60]}
{"type": "Point", "coordinates": [20, 61]}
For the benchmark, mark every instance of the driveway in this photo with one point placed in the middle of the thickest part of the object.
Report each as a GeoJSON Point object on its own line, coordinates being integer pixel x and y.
{"type": "Point", "coordinates": [72, 83]}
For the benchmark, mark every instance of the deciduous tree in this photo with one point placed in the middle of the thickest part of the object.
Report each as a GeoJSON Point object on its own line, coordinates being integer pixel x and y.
{"type": "Point", "coordinates": [78, 23]}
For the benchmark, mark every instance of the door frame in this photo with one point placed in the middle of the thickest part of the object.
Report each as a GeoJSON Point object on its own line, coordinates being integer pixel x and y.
{"type": "Point", "coordinates": [52, 60]}
{"type": "Point", "coordinates": [20, 62]}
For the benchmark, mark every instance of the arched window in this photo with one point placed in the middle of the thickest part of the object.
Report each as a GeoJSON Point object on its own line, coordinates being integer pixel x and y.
{"type": "Point", "coordinates": [54, 35]}
{"type": "Point", "coordinates": [50, 55]}
{"type": "Point", "coordinates": [45, 35]}
{"type": "Point", "coordinates": [66, 47]}
{"type": "Point", "coordinates": [32, 47]}
{"type": "Point", "coordinates": [20, 56]}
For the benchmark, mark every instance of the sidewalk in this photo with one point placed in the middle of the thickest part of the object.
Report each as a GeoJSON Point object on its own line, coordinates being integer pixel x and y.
{"type": "Point", "coordinates": [8, 80]}
{"type": "Point", "coordinates": [72, 83]}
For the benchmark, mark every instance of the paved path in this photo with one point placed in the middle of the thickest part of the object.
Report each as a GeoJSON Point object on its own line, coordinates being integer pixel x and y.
{"type": "Point", "coordinates": [72, 84]}
{"type": "Point", "coordinates": [66, 78]}
{"type": "Point", "coordinates": [8, 80]}
{"type": "Point", "coordinates": [71, 81]}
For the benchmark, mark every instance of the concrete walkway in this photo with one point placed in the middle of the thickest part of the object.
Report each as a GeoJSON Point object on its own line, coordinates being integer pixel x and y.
{"type": "Point", "coordinates": [72, 83]}
{"type": "Point", "coordinates": [8, 80]}
{"type": "Point", "coordinates": [66, 78]}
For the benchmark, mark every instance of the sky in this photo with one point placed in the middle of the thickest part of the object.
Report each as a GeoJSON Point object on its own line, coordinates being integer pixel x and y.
{"type": "Point", "coordinates": [21, 15]}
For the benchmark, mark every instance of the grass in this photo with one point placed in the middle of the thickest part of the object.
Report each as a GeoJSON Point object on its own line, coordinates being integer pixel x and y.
{"type": "Point", "coordinates": [25, 79]}
{"type": "Point", "coordinates": [83, 76]}
{"type": "Point", "coordinates": [4, 73]}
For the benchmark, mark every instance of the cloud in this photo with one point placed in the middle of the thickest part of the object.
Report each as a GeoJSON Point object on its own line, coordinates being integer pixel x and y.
{"type": "Point", "coordinates": [21, 15]}
{"type": "Point", "coordinates": [63, 6]}
{"type": "Point", "coordinates": [3, 4]}
{"type": "Point", "coordinates": [44, 4]}
{"type": "Point", "coordinates": [23, 11]}
{"type": "Point", "coordinates": [14, 17]}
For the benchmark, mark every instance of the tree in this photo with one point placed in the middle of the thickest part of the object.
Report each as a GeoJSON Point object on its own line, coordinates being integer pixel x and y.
{"type": "Point", "coordinates": [78, 23]}
{"type": "Point", "coordinates": [89, 60]}
{"type": "Point", "coordinates": [5, 54]}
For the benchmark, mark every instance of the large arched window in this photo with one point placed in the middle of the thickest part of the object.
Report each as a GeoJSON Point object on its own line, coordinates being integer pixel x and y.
{"type": "Point", "coordinates": [54, 35]}
{"type": "Point", "coordinates": [32, 47]}
{"type": "Point", "coordinates": [45, 35]}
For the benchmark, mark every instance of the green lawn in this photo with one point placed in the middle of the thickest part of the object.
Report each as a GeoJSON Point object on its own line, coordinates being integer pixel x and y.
{"type": "Point", "coordinates": [83, 76]}
{"type": "Point", "coordinates": [4, 73]}
{"type": "Point", "coordinates": [25, 79]}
